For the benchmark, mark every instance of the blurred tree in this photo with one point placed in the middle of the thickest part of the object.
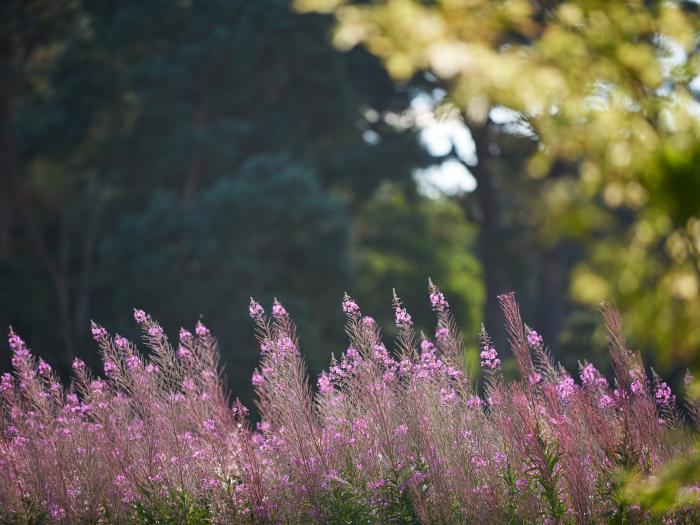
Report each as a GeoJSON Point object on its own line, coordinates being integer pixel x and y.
{"type": "Point", "coordinates": [403, 238]}
{"type": "Point", "coordinates": [184, 156]}
{"type": "Point", "coordinates": [29, 32]}
{"type": "Point", "coordinates": [605, 92]}
{"type": "Point", "coordinates": [268, 230]}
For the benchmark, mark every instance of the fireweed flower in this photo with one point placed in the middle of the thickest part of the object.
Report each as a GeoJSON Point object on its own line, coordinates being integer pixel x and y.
{"type": "Point", "coordinates": [110, 368]}
{"type": "Point", "coordinates": [534, 339]}
{"type": "Point", "coordinates": [16, 342]}
{"type": "Point", "coordinates": [396, 424]}
{"type": "Point", "coordinates": [78, 365]}
{"type": "Point", "coordinates": [403, 318]}
{"type": "Point", "coordinates": [401, 430]}
{"type": "Point", "coordinates": [278, 311]}
{"type": "Point", "coordinates": [155, 331]}
{"type": "Point", "coordinates": [442, 333]}
{"type": "Point", "coordinates": [534, 378]}
{"type": "Point", "coordinates": [201, 330]}
{"type": "Point", "coordinates": [324, 384]}
{"type": "Point", "coordinates": [349, 306]}
{"type": "Point", "coordinates": [607, 401]}
{"type": "Point", "coordinates": [5, 382]}
{"type": "Point", "coordinates": [447, 395]}
{"type": "Point", "coordinates": [437, 301]}
{"type": "Point", "coordinates": [566, 387]}
{"type": "Point", "coordinates": [255, 310]}
{"type": "Point", "coordinates": [489, 358]}
{"type": "Point", "coordinates": [637, 387]}
{"type": "Point", "coordinates": [427, 346]}
{"type": "Point", "coordinates": [98, 332]}
{"type": "Point", "coordinates": [591, 378]}
{"type": "Point", "coordinates": [663, 394]}
{"type": "Point", "coordinates": [44, 368]}
{"type": "Point", "coordinates": [140, 316]}
{"type": "Point", "coordinates": [474, 402]}
{"type": "Point", "coordinates": [258, 379]}
{"type": "Point", "coordinates": [56, 512]}
{"type": "Point", "coordinates": [185, 336]}
{"type": "Point", "coordinates": [133, 362]}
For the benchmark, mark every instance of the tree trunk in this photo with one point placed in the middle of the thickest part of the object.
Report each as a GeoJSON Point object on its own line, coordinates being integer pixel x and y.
{"type": "Point", "coordinates": [490, 237]}
{"type": "Point", "coordinates": [7, 166]}
{"type": "Point", "coordinates": [82, 309]}
{"type": "Point", "coordinates": [552, 292]}
{"type": "Point", "coordinates": [60, 283]}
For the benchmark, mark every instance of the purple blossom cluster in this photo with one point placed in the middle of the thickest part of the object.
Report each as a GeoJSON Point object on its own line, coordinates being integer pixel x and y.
{"type": "Point", "coordinates": [663, 395]}
{"type": "Point", "coordinates": [533, 338]}
{"type": "Point", "coordinates": [405, 432]}
{"type": "Point", "coordinates": [489, 358]}
{"type": "Point", "coordinates": [403, 318]}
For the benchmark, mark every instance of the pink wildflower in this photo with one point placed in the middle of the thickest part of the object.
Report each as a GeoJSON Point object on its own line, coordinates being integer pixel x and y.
{"type": "Point", "coordinates": [474, 402]}
{"type": "Point", "coordinates": [185, 336]}
{"type": "Point", "coordinates": [401, 430]}
{"type": "Point", "coordinates": [255, 310]}
{"type": "Point", "coordinates": [437, 300]}
{"type": "Point", "coordinates": [350, 307]}
{"type": "Point", "coordinates": [258, 379]}
{"type": "Point", "coordinates": [278, 310]}
{"type": "Point", "coordinates": [566, 387]}
{"type": "Point", "coordinates": [489, 358]}
{"type": "Point", "coordinates": [403, 318]}
{"type": "Point", "coordinates": [140, 316]}
{"type": "Point", "coordinates": [44, 368]}
{"type": "Point", "coordinates": [98, 332]}
{"type": "Point", "coordinates": [155, 331]}
{"type": "Point", "coordinates": [591, 378]}
{"type": "Point", "coordinates": [606, 401]}
{"type": "Point", "coordinates": [534, 339]}
{"type": "Point", "coordinates": [56, 512]}
{"type": "Point", "coordinates": [442, 333]}
{"type": "Point", "coordinates": [663, 394]}
{"type": "Point", "coordinates": [201, 330]}
{"type": "Point", "coordinates": [534, 378]}
{"type": "Point", "coordinates": [324, 383]}
{"type": "Point", "coordinates": [78, 365]}
{"type": "Point", "coordinates": [6, 382]}
{"type": "Point", "coordinates": [110, 368]}
{"type": "Point", "coordinates": [637, 387]}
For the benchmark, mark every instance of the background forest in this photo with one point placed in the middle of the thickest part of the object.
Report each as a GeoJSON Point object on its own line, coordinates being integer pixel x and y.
{"type": "Point", "coordinates": [181, 156]}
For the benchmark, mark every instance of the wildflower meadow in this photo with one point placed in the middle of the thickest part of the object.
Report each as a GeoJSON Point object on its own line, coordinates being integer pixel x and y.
{"type": "Point", "coordinates": [401, 433]}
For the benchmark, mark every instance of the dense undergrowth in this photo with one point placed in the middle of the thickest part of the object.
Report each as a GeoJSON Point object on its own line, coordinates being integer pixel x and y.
{"type": "Point", "coordinates": [388, 436]}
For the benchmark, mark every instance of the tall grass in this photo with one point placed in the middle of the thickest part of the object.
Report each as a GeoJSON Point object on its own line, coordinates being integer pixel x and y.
{"type": "Point", "coordinates": [400, 435]}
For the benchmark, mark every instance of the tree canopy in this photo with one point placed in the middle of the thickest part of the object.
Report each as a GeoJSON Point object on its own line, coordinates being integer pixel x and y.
{"type": "Point", "coordinates": [606, 92]}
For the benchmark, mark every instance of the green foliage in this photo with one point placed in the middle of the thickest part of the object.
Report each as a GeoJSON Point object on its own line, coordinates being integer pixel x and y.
{"type": "Point", "coordinates": [33, 515]}
{"type": "Point", "coordinates": [246, 235]}
{"type": "Point", "coordinates": [178, 508]}
{"type": "Point", "coordinates": [343, 505]}
{"type": "Point", "coordinates": [403, 238]}
{"type": "Point", "coordinates": [395, 507]}
{"type": "Point", "coordinates": [604, 92]}
{"type": "Point", "coordinates": [548, 474]}
{"type": "Point", "coordinates": [143, 144]}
